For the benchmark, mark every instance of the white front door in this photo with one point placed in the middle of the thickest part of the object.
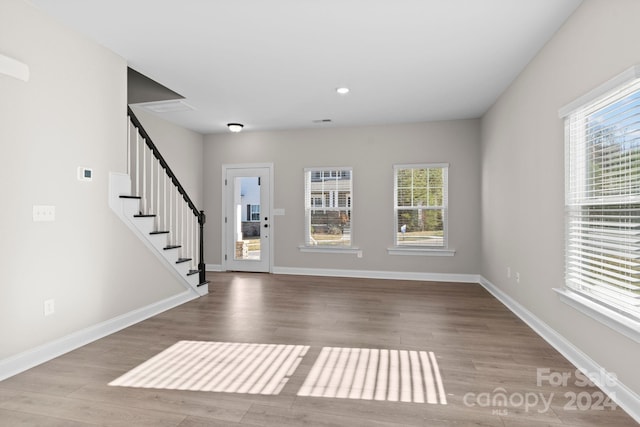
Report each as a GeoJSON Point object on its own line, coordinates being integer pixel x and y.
{"type": "Point", "coordinates": [247, 219]}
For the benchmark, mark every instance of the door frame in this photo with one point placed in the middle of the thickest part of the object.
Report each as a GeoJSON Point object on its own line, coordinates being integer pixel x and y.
{"type": "Point", "coordinates": [223, 225]}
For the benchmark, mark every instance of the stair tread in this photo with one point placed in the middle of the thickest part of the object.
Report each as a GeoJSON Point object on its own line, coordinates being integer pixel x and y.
{"type": "Point", "coordinates": [192, 272]}
{"type": "Point", "coordinates": [166, 248]}
{"type": "Point", "coordinates": [180, 260]}
{"type": "Point", "coordinates": [144, 215]}
{"type": "Point", "coordinates": [206, 282]}
{"type": "Point", "coordinates": [159, 232]}
{"type": "Point", "coordinates": [130, 197]}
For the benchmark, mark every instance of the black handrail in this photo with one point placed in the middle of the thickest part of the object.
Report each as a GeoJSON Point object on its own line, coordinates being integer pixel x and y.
{"type": "Point", "coordinates": [199, 214]}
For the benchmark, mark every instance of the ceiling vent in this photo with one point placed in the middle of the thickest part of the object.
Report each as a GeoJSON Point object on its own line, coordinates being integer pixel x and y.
{"type": "Point", "coordinates": [172, 106]}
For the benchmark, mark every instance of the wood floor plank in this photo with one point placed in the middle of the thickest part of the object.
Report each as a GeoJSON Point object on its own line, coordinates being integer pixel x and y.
{"type": "Point", "coordinates": [78, 410]}
{"type": "Point", "coordinates": [208, 422]}
{"type": "Point", "coordinates": [278, 417]}
{"type": "Point", "coordinates": [480, 347]}
{"type": "Point", "coordinates": [199, 404]}
{"type": "Point", "coordinates": [23, 419]}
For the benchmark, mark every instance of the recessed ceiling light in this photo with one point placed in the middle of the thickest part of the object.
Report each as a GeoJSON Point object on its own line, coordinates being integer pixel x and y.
{"type": "Point", "coordinates": [235, 127]}
{"type": "Point", "coordinates": [342, 90]}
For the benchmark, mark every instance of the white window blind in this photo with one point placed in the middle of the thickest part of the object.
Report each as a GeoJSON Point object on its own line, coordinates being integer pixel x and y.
{"type": "Point", "coordinates": [328, 205]}
{"type": "Point", "coordinates": [420, 204]}
{"type": "Point", "coordinates": [602, 198]}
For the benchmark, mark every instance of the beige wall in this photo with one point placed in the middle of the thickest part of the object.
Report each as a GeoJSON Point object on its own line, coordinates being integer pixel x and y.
{"type": "Point", "coordinates": [181, 147]}
{"type": "Point", "coordinates": [372, 152]}
{"type": "Point", "coordinates": [72, 112]}
{"type": "Point", "coordinates": [523, 173]}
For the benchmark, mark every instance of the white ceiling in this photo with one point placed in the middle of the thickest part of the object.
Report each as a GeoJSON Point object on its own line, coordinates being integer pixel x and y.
{"type": "Point", "coordinates": [276, 64]}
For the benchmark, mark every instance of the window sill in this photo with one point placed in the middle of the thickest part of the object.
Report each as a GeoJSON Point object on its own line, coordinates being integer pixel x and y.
{"type": "Point", "coordinates": [420, 251]}
{"type": "Point", "coordinates": [611, 318]}
{"type": "Point", "coordinates": [330, 250]}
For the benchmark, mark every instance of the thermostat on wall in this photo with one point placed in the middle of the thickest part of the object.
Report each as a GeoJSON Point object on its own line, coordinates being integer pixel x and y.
{"type": "Point", "coordinates": [85, 174]}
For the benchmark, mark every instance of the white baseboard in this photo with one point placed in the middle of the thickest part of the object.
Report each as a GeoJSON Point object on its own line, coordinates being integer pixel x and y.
{"type": "Point", "coordinates": [38, 355]}
{"type": "Point", "coordinates": [624, 397]}
{"type": "Point", "coordinates": [213, 267]}
{"type": "Point", "coordinates": [372, 274]}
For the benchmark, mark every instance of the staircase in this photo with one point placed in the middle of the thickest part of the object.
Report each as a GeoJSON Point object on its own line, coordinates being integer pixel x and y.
{"type": "Point", "coordinates": [150, 200]}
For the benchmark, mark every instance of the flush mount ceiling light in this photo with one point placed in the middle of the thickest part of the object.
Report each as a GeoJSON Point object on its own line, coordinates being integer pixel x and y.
{"type": "Point", "coordinates": [342, 90]}
{"type": "Point", "coordinates": [235, 127]}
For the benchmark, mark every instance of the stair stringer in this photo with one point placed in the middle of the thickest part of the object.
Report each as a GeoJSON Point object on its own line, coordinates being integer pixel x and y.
{"type": "Point", "coordinates": [125, 209]}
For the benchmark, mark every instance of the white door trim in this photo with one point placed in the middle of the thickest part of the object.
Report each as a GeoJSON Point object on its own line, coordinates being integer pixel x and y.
{"type": "Point", "coordinates": [223, 243]}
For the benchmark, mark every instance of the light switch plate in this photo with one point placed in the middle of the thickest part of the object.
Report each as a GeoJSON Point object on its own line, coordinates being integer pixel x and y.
{"type": "Point", "coordinates": [44, 213]}
{"type": "Point", "coordinates": [49, 307]}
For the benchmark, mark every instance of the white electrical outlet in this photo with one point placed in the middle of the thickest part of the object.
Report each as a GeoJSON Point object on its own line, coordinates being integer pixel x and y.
{"type": "Point", "coordinates": [44, 213]}
{"type": "Point", "coordinates": [49, 307]}
{"type": "Point", "coordinates": [508, 272]}
{"type": "Point", "coordinates": [517, 277]}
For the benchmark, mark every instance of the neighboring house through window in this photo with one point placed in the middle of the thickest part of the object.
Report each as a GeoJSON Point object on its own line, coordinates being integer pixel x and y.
{"type": "Point", "coordinates": [253, 212]}
{"type": "Point", "coordinates": [250, 199]}
{"type": "Point", "coordinates": [328, 195]}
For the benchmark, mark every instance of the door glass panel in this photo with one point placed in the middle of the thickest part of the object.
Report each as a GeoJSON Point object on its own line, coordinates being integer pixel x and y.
{"type": "Point", "coordinates": [247, 218]}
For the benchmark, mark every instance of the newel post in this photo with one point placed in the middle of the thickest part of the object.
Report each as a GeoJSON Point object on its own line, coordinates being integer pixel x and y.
{"type": "Point", "coordinates": [201, 266]}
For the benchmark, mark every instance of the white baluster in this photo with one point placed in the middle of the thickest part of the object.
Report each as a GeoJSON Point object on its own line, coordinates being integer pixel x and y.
{"type": "Point", "coordinates": [192, 245]}
{"type": "Point", "coordinates": [177, 228]}
{"type": "Point", "coordinates": [158, 192]}
{"type": "Point", "coordinates": [170, 209]}
{"type": "Point", "coordinates": [188, 238]}
{"type": "Point", "coordinates": [137, 162]}
{"type": "Point", "coordinates": [144, 177]}
{"type": "Point", "coordinates": [129, 148]}
{"type": "Point", "coordinates": [182, 223]}
{"type": "Point", "coordinates": [151, 182]}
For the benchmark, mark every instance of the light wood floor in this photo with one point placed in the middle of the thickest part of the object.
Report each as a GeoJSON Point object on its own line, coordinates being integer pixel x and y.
{"type": "Point", "coordinates": [482, 350]}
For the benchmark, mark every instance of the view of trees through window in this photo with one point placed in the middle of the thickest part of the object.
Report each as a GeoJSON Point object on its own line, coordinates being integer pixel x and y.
{"type": "Point", "coordinates": [603, 201]}
{"type": "Point", "coordinates": [420, 205]}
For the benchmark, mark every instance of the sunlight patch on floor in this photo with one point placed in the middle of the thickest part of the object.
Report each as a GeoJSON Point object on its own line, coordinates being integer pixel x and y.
{"type": "Point", "coordinates": [371, 374]}
{"type": "Point", "coordinates": [218, 367]}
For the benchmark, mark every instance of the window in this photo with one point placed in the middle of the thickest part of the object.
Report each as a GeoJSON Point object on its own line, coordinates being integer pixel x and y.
{"type": "Point", "coordinates": [328, 207]}
{"type": "Point", "coordinates": [420, 203]}
{"type": "Point", "coordinates": [602, 202]}
{"type": "Point", "coordinates": [254, 212]}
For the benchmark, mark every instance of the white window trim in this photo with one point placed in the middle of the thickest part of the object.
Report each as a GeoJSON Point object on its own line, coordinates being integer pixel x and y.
{"type": "Point", "coordinates": [595, 310]}
{"type": "Point", "coordinates": [331, 249]}
{"type": "Point", "coordinates": [611, 318]}
{"type": "Point", "coordinates": [421, 250]}
{"type": "Point", "coordinates": [619, 80]}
